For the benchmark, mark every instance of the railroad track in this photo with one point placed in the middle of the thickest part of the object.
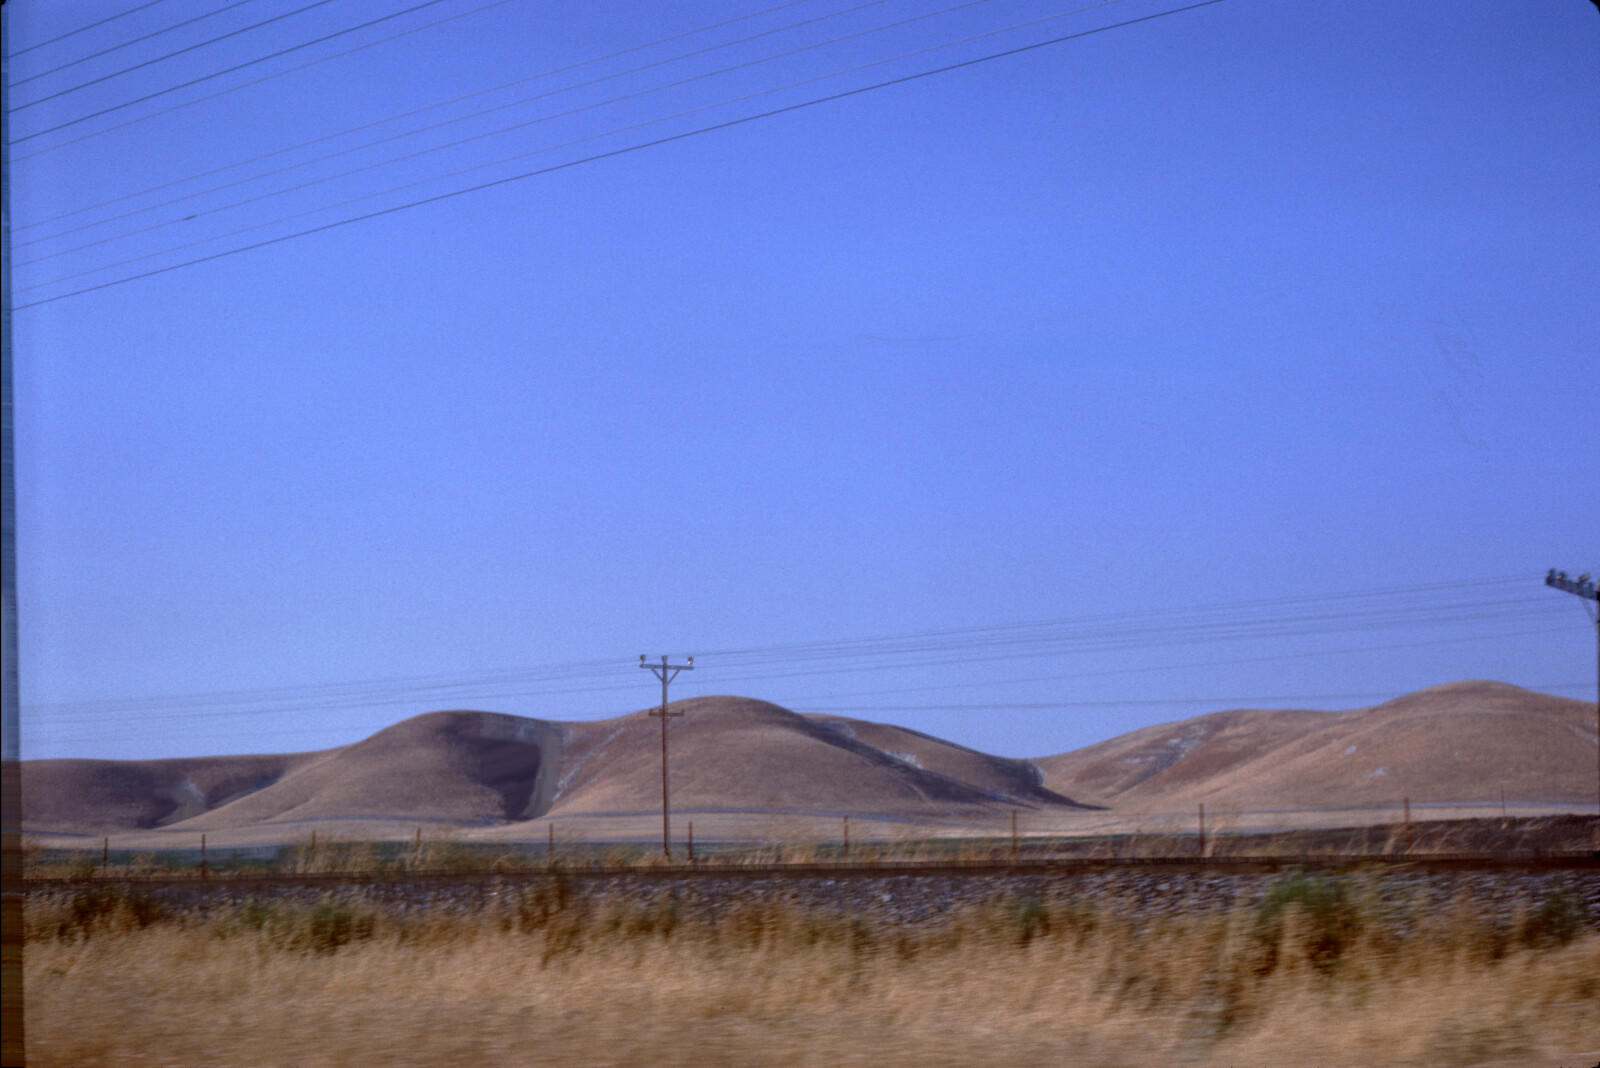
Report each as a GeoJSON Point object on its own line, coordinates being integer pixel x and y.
{"type": "Point", "coordinates": [1572, 860]}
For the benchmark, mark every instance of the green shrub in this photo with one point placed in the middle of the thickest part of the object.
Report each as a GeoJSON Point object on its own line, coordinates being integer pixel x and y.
{"type": "Point", "coordinates": [1557, 921]}
{"type": "Point", "coordinates": [334, 923]}
{"type": "Point", "coordinates": [1027, 919]}
{"type": "Point", "coordinates": [321, 928]}
{"type": "Point", "coordinates": [1330, 920]}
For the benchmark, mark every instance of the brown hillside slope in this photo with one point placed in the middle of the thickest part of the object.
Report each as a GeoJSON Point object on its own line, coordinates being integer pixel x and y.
{"type": "Point", "coordinates": [461, 767]}
{"type": "Point", "coordinates": [1458, 742]}
{"type": "Point", "coordinates": [106, 796]}
{"type": "Point", "coordinates": [743, 754]}
{"type": "Point", "coordinates": [1005, 776]}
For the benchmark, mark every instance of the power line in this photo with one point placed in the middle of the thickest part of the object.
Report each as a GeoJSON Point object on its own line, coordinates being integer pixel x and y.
{"type": "Point", "coordinates": [517, 126]}
{"type": "Point", "coordinates": [85, 29]}
{"type": "Point", "coordinates": [1079, 647]}
{"type": "Point", "coordinates": [1400, 595]}
{"type": "Point", "coordinates": [134, 41]}
{"type": "Point", "coordinates": [383, 692]}
{"type": "Point", "coordinates": [1210, 663]}
{"type": "Point", "coordinates": [625, 150]}
{"type": "Point", "coordinates": [170, 55]}
{"type": "Point", "coordinates": [730, 668]}
{"type": "Point", "coordinates": [400, 115]}
{"type": "Point", "coordinates": [389, 691]}
{"type": "Point", "coordinates": [245, 85]}
{"type": "Point", "coordinates": [229, 70]}
{"type": "Point", "coordinates": [479, 136]}
{"type": "Point", "coordinates": [1229, 703]}
{"type": "Point", "coordinates": [1256, 701]}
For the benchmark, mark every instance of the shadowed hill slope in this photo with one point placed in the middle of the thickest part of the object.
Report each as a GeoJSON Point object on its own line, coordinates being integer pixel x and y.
{"type": "Point", "coordinates": [1462, 741]}
{"type": "Point", "coordinates": [464, 767]}
{"type": "Point", "coordinates": [106, 796]}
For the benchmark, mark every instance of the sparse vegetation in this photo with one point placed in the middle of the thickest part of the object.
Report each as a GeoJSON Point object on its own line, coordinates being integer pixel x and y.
{"type": "Point", "coordinates": [437, 851]}
{"type": "Point", "coordinates": [1320, 970]}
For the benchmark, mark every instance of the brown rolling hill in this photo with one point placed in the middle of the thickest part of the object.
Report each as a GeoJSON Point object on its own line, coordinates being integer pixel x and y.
{"type": "Point", "coordinates": [742, 754]}
{"type": "Point", "coordinates": [729, 754]}
{"type": "Point", "coordinates": [1460, 742]}
{"type": "Point", "coordinates": [732, 755]}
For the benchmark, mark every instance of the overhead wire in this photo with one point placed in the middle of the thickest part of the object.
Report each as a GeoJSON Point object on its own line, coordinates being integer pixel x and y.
{"type": "Point", "coordinates": [85, 29]}
{"type": "Point", "coordinates": [1191, 665]}
{"type": "Point", "coordinates": [480, 136]}
{"type": "Point", "coordinates": [395, 117]}
{"type": "Point", "coordinates": [129, 43]}
{"type": "Point", "coordinates": [1403, 592]}
{"type": "Point", "coordinates": [230, 70]}
{"type": "Point", "coordinates": [523, 125]}
{"type": "Point", "coordinates": [257, 81]}
{"type": "Point", "coordinates": [1235, 702]}
{"type": "Point", "coordinates": [906, 661]}
{"type": "Point", "coordinates": [170, 55]}
{"type": "Point", "coordinates": [1400, 595]}
{"type": "Point", "coordinates": [762, 657]}
{"type": "Point", "coordinates": [963, 642]}
{"type": "Point", "coordinates": [612, 153]}
{"type": "Point", "coordinates": [1166, 622]}
{"type": "Point", "coordinates": [556, 680]}
{"type": "Point", "coordinates": [128, 725]}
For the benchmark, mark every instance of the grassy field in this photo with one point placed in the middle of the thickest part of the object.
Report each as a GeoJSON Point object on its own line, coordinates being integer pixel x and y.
{"type": "Point", "coordinates": [1322, 971]}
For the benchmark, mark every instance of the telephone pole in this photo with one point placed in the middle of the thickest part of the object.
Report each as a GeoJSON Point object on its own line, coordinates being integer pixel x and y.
{"type": "Point", "coordinates": [1583, 586]}
{"type": "Point", "coordinates": [666, 673]}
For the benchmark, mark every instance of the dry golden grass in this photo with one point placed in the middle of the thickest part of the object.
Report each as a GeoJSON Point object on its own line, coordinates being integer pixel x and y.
{"type": "Point", "coordinates": [1320, 974]}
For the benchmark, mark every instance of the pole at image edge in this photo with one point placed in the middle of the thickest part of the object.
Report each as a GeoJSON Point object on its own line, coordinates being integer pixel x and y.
{"type": "Point", "coordinates": [1583, 586]}
{"type": "Point", "coordinates": [13, 1048]}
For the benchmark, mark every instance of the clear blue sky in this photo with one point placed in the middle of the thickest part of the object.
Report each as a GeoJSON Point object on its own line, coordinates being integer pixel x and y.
{"type": "Point", "coordinates": [1262, 300]}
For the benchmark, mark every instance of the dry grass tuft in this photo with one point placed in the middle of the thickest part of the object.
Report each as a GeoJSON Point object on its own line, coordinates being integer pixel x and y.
{"type": "Point", "coordinates": [1323, 971]}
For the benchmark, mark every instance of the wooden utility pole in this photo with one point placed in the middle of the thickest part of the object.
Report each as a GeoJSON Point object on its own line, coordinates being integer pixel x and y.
{"type": "Point", "coordinates": [666, 673]}
{"type": "Point", "coordinates": [1583, 586]}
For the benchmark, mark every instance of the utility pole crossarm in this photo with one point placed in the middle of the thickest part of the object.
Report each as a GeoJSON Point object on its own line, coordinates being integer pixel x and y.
{"type": "Point", "coordinates": [1582, 586]}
